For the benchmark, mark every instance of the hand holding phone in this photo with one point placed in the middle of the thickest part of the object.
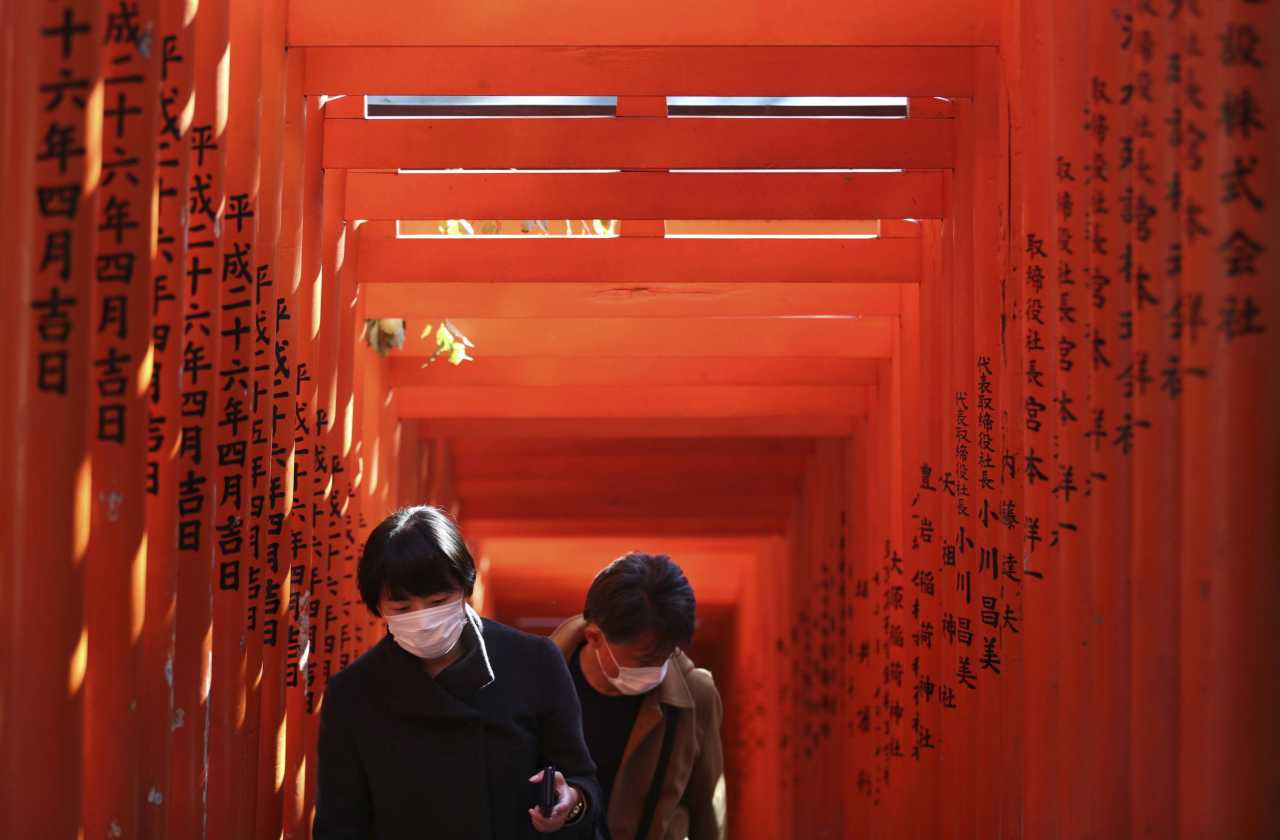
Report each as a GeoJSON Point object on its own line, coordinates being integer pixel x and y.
{"type": "Point", "coordinates": [547, 797]}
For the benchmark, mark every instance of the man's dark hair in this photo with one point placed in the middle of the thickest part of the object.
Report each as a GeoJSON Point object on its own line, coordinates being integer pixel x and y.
{"type": "Point", "coordinates": [642, 596]}
{"type": "Point", "coordinates": [414, 551]}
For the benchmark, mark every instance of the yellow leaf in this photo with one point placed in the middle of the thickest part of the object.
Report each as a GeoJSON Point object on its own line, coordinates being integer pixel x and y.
{"type": "Point", "coordinates": [444, 338]}
{"type": "Point", "coordinates": [426, 331]}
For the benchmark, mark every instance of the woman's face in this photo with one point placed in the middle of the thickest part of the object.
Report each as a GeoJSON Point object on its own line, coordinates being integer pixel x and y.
{"type": "Point", "coordinates": [395, 606]}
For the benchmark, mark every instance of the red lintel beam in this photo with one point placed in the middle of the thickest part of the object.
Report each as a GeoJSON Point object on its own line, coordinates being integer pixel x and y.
{"type": "Point", "coordinates": [646, 195]}
{"type": "Point", "coordinates": [647, 427]}
{"type": "Point", "coordinates": [639, 143]}
{"type": "Point", "coordinates": [427, 301]}
{"type": "Point", "coordinates": [623, 401]}
{"type": "Point", "coordinates": [856, 338]}
{"type": "Point", "coordinates": [630, 526]}
{"type": "Point", "coordinates": [640, 260]}
{"type": "Point", "coordinates": [686, 370]}
{"type": "Point", "coordinates": [584, 445]}
{"type": "Point", "coordinates": [675, 22]}
{"type": "Point", "coordinates": [641, 71]}
{"type": "Point", "coordinates": [605, 467]}
{"type": "Point", "coordinates": [541, 507]}
{"type": "Point", "coordinates": [564, 484]}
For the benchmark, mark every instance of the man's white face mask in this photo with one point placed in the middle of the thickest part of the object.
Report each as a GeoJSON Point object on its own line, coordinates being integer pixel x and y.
{"type": "Point", "coordinates": [633, 681]}
{"type": "Point", "coordinates": [429, 633]}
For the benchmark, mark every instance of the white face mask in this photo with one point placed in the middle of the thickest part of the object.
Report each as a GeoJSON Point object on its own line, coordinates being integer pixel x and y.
{"type": "Point", "coordinates": [429, 633]}
{"type": "Point", "coordinates": [633, 680]}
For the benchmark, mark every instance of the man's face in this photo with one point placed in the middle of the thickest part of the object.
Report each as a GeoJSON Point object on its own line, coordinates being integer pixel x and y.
{"type": "Point", "coordinates": [638, 653]}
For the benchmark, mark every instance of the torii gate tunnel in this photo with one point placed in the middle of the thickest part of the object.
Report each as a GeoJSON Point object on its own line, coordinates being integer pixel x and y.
{"type": "Point", "coordinates": [936, 339]}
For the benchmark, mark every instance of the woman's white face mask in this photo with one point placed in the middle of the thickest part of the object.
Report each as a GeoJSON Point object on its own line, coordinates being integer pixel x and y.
{"type": "Point", "coordinates": [429, 633]}
{"type": "Point", "coordinates": [633, 681]}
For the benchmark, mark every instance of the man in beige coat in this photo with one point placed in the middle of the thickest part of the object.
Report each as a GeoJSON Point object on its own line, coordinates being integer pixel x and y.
{"type": "Point", "coordinates": [651, 718]}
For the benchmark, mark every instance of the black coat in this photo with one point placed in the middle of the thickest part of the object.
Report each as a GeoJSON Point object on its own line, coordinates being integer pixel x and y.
{"type": "Point", "coordinates": [402, 757]}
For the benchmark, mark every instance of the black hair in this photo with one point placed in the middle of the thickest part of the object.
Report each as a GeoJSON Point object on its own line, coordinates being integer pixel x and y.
{"type": "Point", "coordinates": [641, 596]}
{"type": "Point", "coordinates": [414, 551]}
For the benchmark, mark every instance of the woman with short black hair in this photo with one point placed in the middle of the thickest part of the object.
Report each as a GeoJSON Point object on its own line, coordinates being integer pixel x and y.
{"type": "Point", "coordinates": [440, 730]}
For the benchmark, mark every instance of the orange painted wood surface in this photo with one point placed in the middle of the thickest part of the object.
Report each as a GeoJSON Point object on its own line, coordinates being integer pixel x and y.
{"type": "Point", "coordinates": [980, 511]}
{"type": "Point", "coordinates": [612, 428]}
{"type": "Point", "coordinates": [120, 308]}
{"type": "Point", "coordinates": [239, 458]}
{"type": "Point", "coordinates": [628, 401]}
{"type": "Point", "coordinates": [863, 338]}
{"type": "Point", "coordinates": [168, 263]}
{"type": "Point", "coordinates": [525, 468]}
{"type": "Point", "coordinates": [515, 447]}
{"type": "Point", "coordinates": [425, 301]}
{"type": "Point", "coordinates": [652, 371]}
{"type": "Point", "coordinates": [59, 152]}
{"type": "Point", "coordinates": [639, 143]}
{"type": "Point", "coordinates": [640, 260]}
{"type": "Point", "coordinates": [640, 71]}
{"type": "Point", "coordinates": [197, 452]}
{"type": "Point", "coordinates": [647, 195]}
{"type": "Point", "coordinates": [329, 22]}
{"type": "Point", "coordinates": [653, 527]}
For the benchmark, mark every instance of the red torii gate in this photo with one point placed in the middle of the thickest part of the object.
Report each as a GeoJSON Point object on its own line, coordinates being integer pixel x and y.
{"type": "Point", "coordinates": [1001, 525]}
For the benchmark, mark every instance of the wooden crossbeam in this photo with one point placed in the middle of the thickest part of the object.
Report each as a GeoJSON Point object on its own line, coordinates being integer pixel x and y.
{"type": "Point", "coordinates": [640, 71]}
{"type": "Point", "coordinates": [628, 526]}
{"type": "Point", "coordinates": [563, 485]}
{"type": "Point", "coordinates": [540, 507]}
{"type": "Point", "coordinates": [657, 427]}
{"type": "Point", "coordinates": [646, 195]}
{"type": "Point", "coordinates": [677, 371]}
{"type": "Point", "coordinates": [618, 467]}
{"type": "Point", "coordinates": [662, 22]}
{"type": "Point", "coordinates": [669, 525]}
{"type": "Point", "coordinates": [639, 261]}
{"type": "Point", "coordinates": [428, 301]}
{"type": "Point", "coordinates": [587, 444]}
{"type": "Point", "coordinates": [862, 338]}
{"type": "Point", "coordinates": [625, 401]}
{"type": "Point", "coordinates": [639, 143]}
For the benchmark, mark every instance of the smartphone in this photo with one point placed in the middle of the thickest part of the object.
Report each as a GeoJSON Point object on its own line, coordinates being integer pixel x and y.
{"type": "Point", "coordinates": [547, 801]}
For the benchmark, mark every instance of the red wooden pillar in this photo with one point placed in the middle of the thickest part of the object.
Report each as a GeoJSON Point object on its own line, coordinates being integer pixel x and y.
{"type": "Point", "coordinates": [297, 693]}
{"type": "Point", "coordinates": [1069, 560]}
{"type": "Point", "coordinates": [120, 309]}
{"type": "Point", "coordinates": [52, 138]}
{"type": "Point", "coordinates": [965, 675]}
{"type": "Point", "coordinates": [328, 524]}
{"type": "Point", "coordinates": [1028, 462]}
{"type": "Point", "coordinates": [197, 452]}
{"type": "Point", "coordinates": [1228, 329]}
{"type": "Point", "coordinates": [1155, 287]}
{"type": "Point", "coordinates": [924, 529]}
{"type": "Point", "coordinates": [346, 644]}
{"type": "Point", "coordinates": [998, 596]}
{"type": "Point", "coordinates": [233, 424]}
{"type": "Point", "coordinates": [18, 87]}
{"type": "Point", "coordinates": [264, 106]}
{"type": "Point", "coordinates": [175, 53]}
{"type": "Point", "coordinates": [283, 109]}
{"type": "Point", "coordinates": [1113, 430]}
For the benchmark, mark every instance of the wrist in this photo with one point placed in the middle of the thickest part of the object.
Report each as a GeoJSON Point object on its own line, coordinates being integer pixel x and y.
{"type": "Point", "coordinates": [579, 807]}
